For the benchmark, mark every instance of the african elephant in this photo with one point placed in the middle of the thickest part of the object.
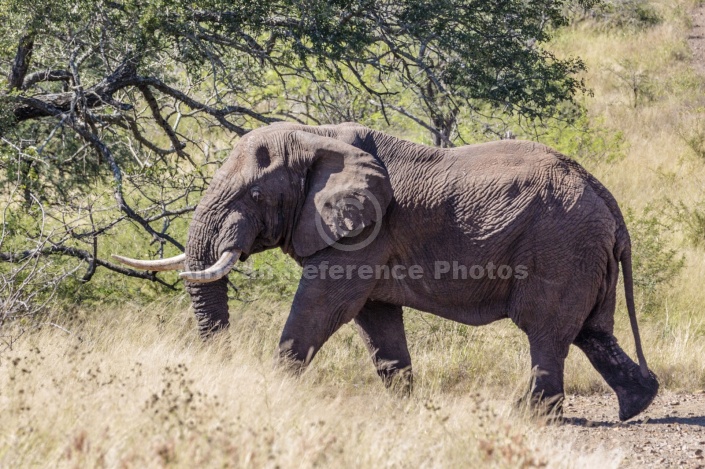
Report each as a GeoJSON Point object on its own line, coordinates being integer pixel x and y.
{"type": "Point", "coordinates": [507, 229]}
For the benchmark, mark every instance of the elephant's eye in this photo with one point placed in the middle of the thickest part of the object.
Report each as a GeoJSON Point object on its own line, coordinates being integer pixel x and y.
{"type": "Point", "coordinates": [256, 194]}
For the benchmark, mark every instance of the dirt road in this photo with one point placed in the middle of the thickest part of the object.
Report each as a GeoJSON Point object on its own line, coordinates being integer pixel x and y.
{"type": "Point", "coordinates": [671, 433]}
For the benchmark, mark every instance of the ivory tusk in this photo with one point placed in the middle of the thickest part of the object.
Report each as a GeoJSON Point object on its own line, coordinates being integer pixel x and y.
{"type": "Point", "coordinates": [215, 272]}
{"type": "Point", "coordinates": [172, 263]}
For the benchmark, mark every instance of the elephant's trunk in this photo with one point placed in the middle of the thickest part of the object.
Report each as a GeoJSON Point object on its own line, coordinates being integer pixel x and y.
{"type": "Point", "coordinates": [210, 300]}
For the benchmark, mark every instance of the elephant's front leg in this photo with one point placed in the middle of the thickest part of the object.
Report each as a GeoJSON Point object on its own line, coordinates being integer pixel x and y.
{"type": "Point", "coordinates": [330, 294]}
{"type": "Point", "coordinates": [381, 326]}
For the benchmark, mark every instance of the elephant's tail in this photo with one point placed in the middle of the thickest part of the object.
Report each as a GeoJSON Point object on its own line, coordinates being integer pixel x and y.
{"type": "Point", "coordinates": [626, 260]}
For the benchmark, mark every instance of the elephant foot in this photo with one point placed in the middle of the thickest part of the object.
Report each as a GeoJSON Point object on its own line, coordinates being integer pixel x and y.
{"type": "Point", "coordinates": [398, 382]}
{"type": "Point", "coordinates": [636, 397]}
{"type": "Point", "coordinates": [634, 391]}
{"type": "Point", "coordinates": [538, 405]}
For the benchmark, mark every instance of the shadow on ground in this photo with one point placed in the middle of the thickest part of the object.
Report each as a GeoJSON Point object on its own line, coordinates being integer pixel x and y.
{"type": "Point", "coordinates": [582, 422]}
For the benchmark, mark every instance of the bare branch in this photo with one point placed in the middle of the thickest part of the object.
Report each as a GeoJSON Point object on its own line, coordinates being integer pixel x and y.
{"type": "Point", "coordinates": [92, 261]}
{"type": "Point", "coordinates": [430, 128]}
{"type": "Point", "coordinates": [99, 95]}
{"type": "Point", "coordinates": [103, 150]}
{"type": "Point", "coordinates": [219, 114]}
{"type": "Point", "coordinates": [83, 255]}
{"type": "Point", "coordinates": [156, 113]}
{"type": "Point", "coordinates": [127, 122]}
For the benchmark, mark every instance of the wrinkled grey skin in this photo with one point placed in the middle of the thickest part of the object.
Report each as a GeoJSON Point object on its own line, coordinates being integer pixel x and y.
{"type": "Point", "coordinates": [507, 203]}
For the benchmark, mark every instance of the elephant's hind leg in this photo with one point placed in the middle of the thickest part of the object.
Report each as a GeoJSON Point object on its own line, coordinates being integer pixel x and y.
{"type": "Point", "coordinates": [634, 392]}
{"type": "Point", "coordinates": [548, 354]}
{"type": "Point", "coordinates": [381, 326]}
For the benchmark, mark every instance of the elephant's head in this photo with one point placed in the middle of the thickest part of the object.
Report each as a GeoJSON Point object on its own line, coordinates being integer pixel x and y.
{"type": "Point", "coordinates": [284, 186]}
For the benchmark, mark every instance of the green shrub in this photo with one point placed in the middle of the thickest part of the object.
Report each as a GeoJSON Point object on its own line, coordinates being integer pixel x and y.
{"type": "Point", "coordinates": [654, 263]}
{"type": "Point", "coordinates": [690, 219]}
{"type": "Point", "coordinates": [7, 117]}
{"type": "Point", "coordinates": [692, 132]}
{"type": "Point", "coordinates": [635, 81]}
{"type": "Point", "coordinates": [269, 274]}
{"type": "Point", "coordinates": [585, 138]}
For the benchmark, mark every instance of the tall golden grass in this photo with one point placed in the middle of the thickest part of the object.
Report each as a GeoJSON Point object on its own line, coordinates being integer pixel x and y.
{"type": "Point", "coordinates": [134, 387]}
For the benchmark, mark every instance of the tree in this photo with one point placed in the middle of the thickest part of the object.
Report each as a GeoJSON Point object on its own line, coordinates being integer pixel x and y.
{"type": "Point", "coordinates": [116, 112]}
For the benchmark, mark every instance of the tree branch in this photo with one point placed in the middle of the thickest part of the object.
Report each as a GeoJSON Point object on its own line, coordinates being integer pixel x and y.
{"type": "Point", "coordinates": [21, 64]}
{"type": "Point", "coordinates": [406, 113]}
{"type": "Point", "coordinates": [219, 114]}
{"type": "Point", "coordinates": [126, 122]}
{"type": "Point", "coordinates": [83, 255]}
{"type": "Point", "coordinates": [45, 75]}
{"type": "Point", "coordinates": [99, 95]}
{"type": "Point", "coordinates": [93, 140]}
{"type": "Point", "coordinates": [103, 150]}
{"type": "Point", "coordinates": [156, 113]}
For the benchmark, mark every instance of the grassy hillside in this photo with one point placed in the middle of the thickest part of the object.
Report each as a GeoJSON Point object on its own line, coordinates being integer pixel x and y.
{"type": "Point", "coordinates": [132, 386]}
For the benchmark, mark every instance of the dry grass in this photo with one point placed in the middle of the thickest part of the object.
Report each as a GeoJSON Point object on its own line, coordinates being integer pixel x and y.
{"type": "Point", "coordinates": [134, 387]}
{"type": "Point", "coordinates": [126, 390]}
{"type": "Point", "coordinates": [658, 162]}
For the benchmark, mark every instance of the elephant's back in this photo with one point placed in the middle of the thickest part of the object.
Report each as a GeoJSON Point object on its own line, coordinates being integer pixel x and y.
{"type": "Point", "coordinates": [484, 197]}
{"type": "Point", "coordinates": [504, 186]}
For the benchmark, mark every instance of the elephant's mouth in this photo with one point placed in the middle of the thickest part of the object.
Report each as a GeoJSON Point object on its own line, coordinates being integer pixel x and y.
{"type": "Point", "coordinates": [261, 244]}
{"type": "Point", "coordinates": [229, 257]}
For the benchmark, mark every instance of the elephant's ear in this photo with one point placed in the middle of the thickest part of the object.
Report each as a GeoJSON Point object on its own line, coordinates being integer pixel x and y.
{"type": "Point", "coordinates": [346, 190]}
